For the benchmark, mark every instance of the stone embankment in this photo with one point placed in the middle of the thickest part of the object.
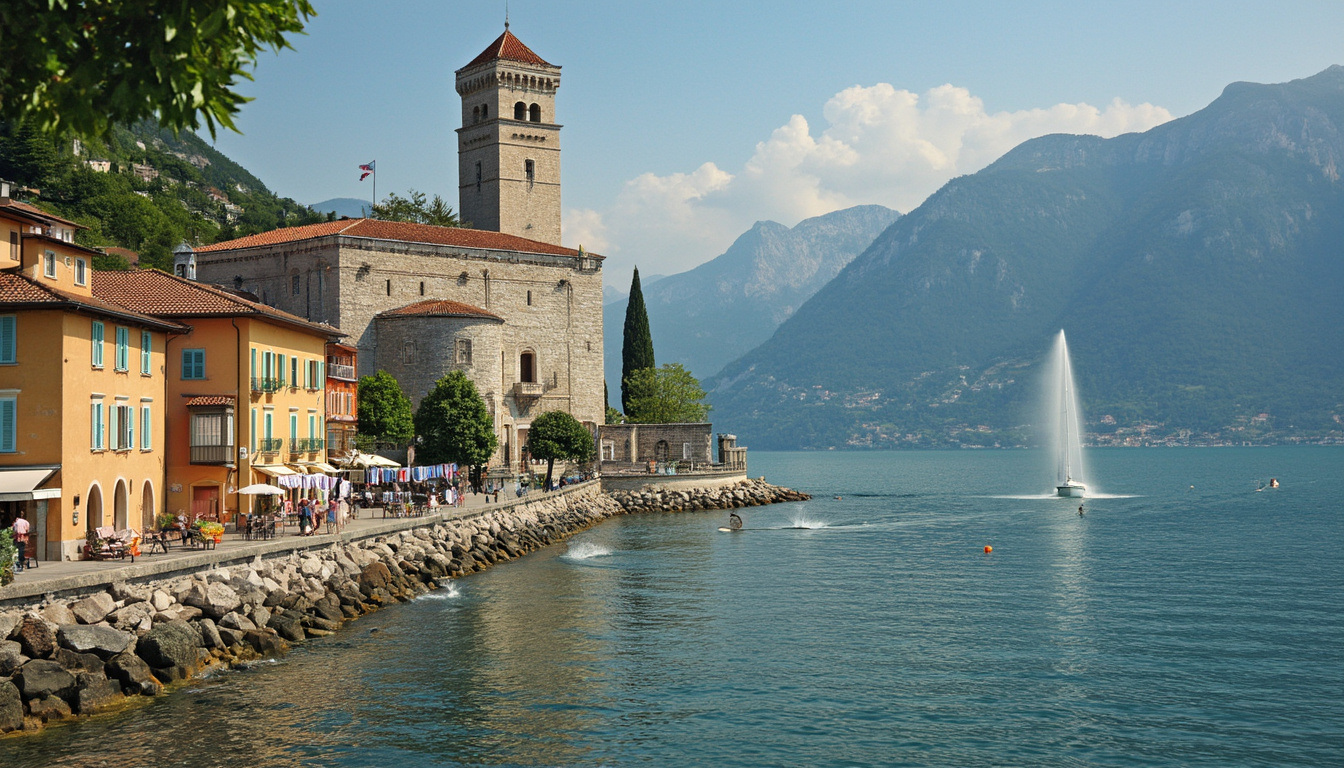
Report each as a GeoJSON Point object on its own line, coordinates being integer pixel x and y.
{"type": "Point", "coordinates": [747, 493]}
{"type": "Point", "coordinates": [64, 658]}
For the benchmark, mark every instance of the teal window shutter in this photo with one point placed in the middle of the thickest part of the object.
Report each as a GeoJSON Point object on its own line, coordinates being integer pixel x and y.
{"type": "Point", "coordinates": [146, 429]}
{"type": "Point", "coordinates": [97, 344]}
{"type": "Point", "coordinates": [146, 346]}
{"type": "Point", "coordinates": [9, 339]}
{"type": "Point", "coordinates": [8, 412]}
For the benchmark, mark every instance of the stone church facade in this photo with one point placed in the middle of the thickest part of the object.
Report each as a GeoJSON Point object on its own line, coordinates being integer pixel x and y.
{"type": "Point", "coordinates": [503, 301]}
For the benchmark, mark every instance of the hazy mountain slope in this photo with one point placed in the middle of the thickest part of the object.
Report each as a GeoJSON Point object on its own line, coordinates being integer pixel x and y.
{"type": "Point", "coordinates": [707, 316]}
{"type": "Point", "coordinates": [1198, 269]}
{"type": "Point", "coordinates": [350, 207]}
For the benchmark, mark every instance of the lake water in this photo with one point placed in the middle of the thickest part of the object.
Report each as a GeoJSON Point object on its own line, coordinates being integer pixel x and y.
{"type": "Point", "coordinates": [1186, 619]}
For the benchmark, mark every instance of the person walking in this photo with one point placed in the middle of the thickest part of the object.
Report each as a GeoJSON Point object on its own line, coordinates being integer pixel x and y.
{"type": "Point", "coordinates": [20, 529]}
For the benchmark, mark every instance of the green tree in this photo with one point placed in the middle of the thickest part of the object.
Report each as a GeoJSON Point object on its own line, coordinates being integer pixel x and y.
{"type": "Point", "coordinates": [384, 410]}
{"type": "Point", "coordinates": [637, 343]}
{"type": "Point", "coordinates": [83, 66]}
{"type": "Point", "coordinates": [416, 209]}
{"type": "Point", "coordinates": [666, 395]}
{"type": "Point", "coordinates": [454, 426]}
{"type": "Point", "coordinates": [557, 435]}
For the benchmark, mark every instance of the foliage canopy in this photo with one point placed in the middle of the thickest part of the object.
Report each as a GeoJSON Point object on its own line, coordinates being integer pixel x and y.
{"type": "Point", "coordinates": [384, 410]}
{"type": "Point", "coordinates": [416, 209]}
{"type": "Point", "coordinates": [666, 395]}
{"type": "Point", "coordinates": [558, 435]}
{"type": "Point", "coordinates": [454, 425]}
{"type": "Point", "coordinates": [82, 66]}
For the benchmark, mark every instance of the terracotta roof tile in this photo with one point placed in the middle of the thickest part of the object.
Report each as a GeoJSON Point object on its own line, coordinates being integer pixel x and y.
{"type": "Point", "coordinates": [440, 308]}
{"type": "Point", "coordinates": [159, 293]}
{"type": "Point", "coordinates": [15, 289]}
{"type": "Point", "coordinates": [32, 210]}
{"type": "Point", "coordinates": [208, 400]}
{"type": "Point", "coordinates": [402, 231]}
{"type": "Point", "coordinates": [506, 46]}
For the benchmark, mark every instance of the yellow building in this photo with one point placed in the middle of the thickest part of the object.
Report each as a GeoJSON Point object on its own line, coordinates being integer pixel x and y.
{"type": "Point", "coordinates": [82, 390]}
{"type": "Point", "coordinates": [246, 385]}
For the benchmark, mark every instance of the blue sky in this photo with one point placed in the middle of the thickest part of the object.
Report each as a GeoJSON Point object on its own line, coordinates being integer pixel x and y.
{"type": "Point", "coordinates": [686, 122]}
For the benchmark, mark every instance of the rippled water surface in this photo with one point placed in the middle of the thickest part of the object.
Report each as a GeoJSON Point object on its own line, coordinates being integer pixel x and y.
{"type": "Point", "coordinates": [1185, 620]}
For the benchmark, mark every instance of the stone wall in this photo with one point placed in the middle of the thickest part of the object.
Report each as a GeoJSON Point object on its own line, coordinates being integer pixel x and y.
{"type": "Point", "coordinates": [640, 442]}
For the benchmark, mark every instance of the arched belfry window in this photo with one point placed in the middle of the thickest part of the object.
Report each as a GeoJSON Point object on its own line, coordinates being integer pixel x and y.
{"type": "Point", "coordinates": [527, 367]}
{"type": "Point", "coordinates": [534, 113]}
{"type": "Point", "coordinates": [485, 111]}
{"type": "Point", "coordinates": [520, 111]}
{"type": "Point", "coordinates": [530, 170]}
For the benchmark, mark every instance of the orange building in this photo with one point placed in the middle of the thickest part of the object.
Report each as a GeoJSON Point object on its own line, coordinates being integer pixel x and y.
{"type": "Point", "coordinates": [246, 387]}
{"type": "Point", "coordinates": [342, 392]}
{"type": "Point", "coordinates": [82, 389]}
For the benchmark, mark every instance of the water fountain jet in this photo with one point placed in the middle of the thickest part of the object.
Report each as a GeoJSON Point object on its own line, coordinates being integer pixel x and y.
{"type": "Point", "coordinates": [1066, 433]}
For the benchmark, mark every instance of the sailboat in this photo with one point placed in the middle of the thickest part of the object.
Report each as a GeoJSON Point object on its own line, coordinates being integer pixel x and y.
{"type": "Point", "coordinates": [1069, 440]}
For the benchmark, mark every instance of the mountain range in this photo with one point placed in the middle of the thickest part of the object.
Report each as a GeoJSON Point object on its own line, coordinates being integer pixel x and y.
{"type": "Point", "coordinates": [1198, 269]}
{"type": "Point", "coordinates": [348, 207]}
{"type": "Point", "coordinates": [710, 315]}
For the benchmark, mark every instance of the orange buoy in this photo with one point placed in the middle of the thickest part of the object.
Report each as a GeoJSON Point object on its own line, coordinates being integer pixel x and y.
{"type": "Point", "coordinates": [988, 549]}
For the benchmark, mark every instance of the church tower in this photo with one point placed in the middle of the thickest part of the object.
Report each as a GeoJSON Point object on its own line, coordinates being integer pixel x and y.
{"type": "Point", "coordinates": [508, 148]}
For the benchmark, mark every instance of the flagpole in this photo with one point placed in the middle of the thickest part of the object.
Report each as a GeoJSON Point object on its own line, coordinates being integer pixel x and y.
{"type": "Point", "coordinates": [372, 213]}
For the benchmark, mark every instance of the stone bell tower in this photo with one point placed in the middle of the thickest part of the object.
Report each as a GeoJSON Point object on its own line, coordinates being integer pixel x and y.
{"type": "Point", "coordinates": [508, 148]}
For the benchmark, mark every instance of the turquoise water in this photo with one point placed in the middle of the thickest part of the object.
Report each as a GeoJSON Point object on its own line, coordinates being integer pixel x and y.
{"type": "Point", "coordinates": [1185, 620]}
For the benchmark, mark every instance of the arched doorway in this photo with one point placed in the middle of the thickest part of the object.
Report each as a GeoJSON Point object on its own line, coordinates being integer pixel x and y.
{"type": "Point", "coordinates": [660, 451]}
{"type": "Point", "coordinates": [93, 509]}
{"type": "Point", "coordinates": [147, 511]}
{"type": "Point", "coordinates": [120, 506]}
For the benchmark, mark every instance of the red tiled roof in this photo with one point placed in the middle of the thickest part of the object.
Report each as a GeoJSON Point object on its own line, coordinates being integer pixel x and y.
{"type": "Point", "coordinates": [15, 289]}
{"type": "Point", "coordinates": [403, 231]}
{"type": "Point", "coordinates": [159, 293]}
{"type": "Point", "coordinates": [205, 400]}
{"type": "Point", "coordinates": [440, 308]}
{"type": "Point", "coordinates": [32, 210]}
{"type": "Point", "coordinates": [506, 46]}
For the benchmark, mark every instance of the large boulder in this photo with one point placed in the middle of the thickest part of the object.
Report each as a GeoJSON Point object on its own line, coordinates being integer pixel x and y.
{"type": "Point", "coordinates": [133, 674]}
{"type": "Point", "coordinates": [8, 623]}
{"type": "Point", "coordinates": [78, 662]}
{"type": "Point", "coordinates": [237, 621]}
{"type": "Point", "coordinates": [58, 614]}
{"type": "Point", "coordinates": [93, 608]}
{"type": "Point", "coordinates": [11, 657]}
{"type": "Point", "coordinates": [287, 627]}
{"type": "Point", "coordinates": [209, 634]}
{"type": "Point", "coordinates": [264, 643]}
{"type": "Point", "coordinates": [135, 616]}
{"type": "Point", "coordinates": [43, 677]}
{"type": "Point", "coordinates": [94, 693]}
{"type": "Point", "coordinates": [214, 599]}
{"type": "Point", "coordinates": [170, 644]}
{"type": "Point", "coordinates": [35, 637]}
{"type": "Point", "coordinates": [374, 576]}
{"type": "Point", "coordinates": [106, 642]}
{"type": "Point", "coordinates": [11, 707]}
{"type": "Point", "coordinates": [130, 593]}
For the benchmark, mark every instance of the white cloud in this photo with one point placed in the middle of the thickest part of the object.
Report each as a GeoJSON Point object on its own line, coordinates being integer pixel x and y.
{"type": "Point", "coordinates": [880, 145]}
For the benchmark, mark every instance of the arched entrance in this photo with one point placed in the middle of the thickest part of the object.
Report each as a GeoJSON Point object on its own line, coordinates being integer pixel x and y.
{"type": "Point", "coordinates": [93, 509]}
{"type": "Point", "coordinates": [660, 451]}
{"type": "Point", "coordinates": [147, 511]}
{"type": "Point", "coordinates": [120, 506]}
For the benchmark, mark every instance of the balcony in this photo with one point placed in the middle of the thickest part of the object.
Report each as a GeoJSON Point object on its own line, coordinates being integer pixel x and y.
{"type": "Point", "coordinates": [212, 454]}
{"type": "Point", "coordinates": [343, 372]}
{"type": "Point", "coordinates": [266, 385]}
{"type": "Point", "coordinates": [270, 445]}
{"type": "Point", "coordinates": [306, 444]}
{"type": "Point", "coordinates": [528, 390]}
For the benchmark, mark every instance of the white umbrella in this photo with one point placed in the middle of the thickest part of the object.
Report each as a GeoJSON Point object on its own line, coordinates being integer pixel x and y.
{"type": "Point", "coordinates": [262, 489]}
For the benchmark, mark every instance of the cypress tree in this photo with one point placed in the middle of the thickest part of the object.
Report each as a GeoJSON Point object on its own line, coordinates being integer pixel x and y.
{"type": "Point", "coordinates": [637, 344]}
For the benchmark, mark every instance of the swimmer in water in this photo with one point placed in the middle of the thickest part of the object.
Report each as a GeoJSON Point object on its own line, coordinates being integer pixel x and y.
{"type": "Point", "coordinates": [1080, 510]}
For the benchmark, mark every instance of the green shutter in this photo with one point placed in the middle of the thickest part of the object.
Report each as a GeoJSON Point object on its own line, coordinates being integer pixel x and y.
{"type": "Point", "coordinates": [97, 344]}
{"type": "Point", "coordinates": [130, 427]}
{"type": "Point", "coordinates": [146, 429]}
{"type": "Point", "coordinates": [113, 436]}
{"type": "Point", "coordinates": [7, 426]}
{"type": "Point", "coordinates": [9, 339]}
{"type": "Point", "coordinates": [146, 344]}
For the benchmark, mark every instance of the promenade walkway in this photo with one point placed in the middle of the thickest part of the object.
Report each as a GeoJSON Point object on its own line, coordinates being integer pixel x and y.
{"type": "Point", "coordinates": [69, 578]}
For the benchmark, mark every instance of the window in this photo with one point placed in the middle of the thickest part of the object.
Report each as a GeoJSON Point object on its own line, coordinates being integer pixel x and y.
{"type": "Point", "coordinates": [212, 436]}
{"type": "Point", "coordinates": [9, 339]}
{"type": "Point", "coordinates": [97, 344]}
{"type": "Point", "coordinates": [294, 285]}
{"type": "Point", "coordinates": [146, 428]}
{"type": "Point", "coordinates": [280, 370]}
{"type": "Point", "coordinates": [534, 113]}
{"type": "Point", "coordinates": [485, 111]}
{"type": "Point", "coordinates": [269, 424]}
{"type": "Point", "coordinates": [464, 351]}
{"type": "Point", "coordinates": [146, 346]}
{"type": "Point", "coordinates": [389, 287]}
{"type": "Point", "coordinates": [8, 429]}
{"type": "Point", "coordinates": [312, 427]}
{"type": "Point", "coordinates": [49, 264]}
{"type": "Point", "coordinates": [193, 364]}
{"type": "Point", "coordinates": [422, 287]}
{"type": "Point", "coordinates": [293, 426]}
{"type": "Point", "coordinates": [13, 246]}
{"type": "Point", "coordinates": [294, 372]}
{"type": "Point", "coordinates": [686, 451]}
{"type": "Point", "coordinates": [530, 169]}
{"type": "Point", "coordinates": [520, 111]}
{"type": "Point", "coordinates": [123, 357]}
{"type": "Point", "coordinates": [81, 272]}
{"type": "Point", "coordinates": [408, 353]}
{"type": "Point", "coordinates": [122, 419]}
{"type": "Point", "coordinates": [478, 177]}
{"type": "Point", "coordinates": [254, 364]}
{"type": "Point", "coordinates": [529, 298]}
{"type": "Point", "coordinates": [527, 369]}
{"type": "Point", "coordinates": [96, 422]}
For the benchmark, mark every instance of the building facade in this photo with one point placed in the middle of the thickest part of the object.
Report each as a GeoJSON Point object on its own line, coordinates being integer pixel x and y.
{"type": "Point", "coordinates": [504, 302]}
{"type": "Point", "coordinates": [82, 392]}
{"type": "Point", "coordinates": [245, 391]}
{"type": "Point", "coordinates": [342, 397]}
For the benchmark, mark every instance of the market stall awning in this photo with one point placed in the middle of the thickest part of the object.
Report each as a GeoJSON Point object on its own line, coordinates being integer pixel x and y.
{"type": "Point", "coordinates": [324, 467]}
{"type": "Point", "coordinates": [20, 483]}
{"type": "Point", "coordinates": [274, 470]}
{"type": "Point", "coordinates": [373, 460]}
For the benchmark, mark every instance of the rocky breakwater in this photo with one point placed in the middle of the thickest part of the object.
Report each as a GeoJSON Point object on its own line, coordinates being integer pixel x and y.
{"type": "Point", "coordinates": [745, 493]}
{"type": "Point", "coordinates": [65, 658]}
